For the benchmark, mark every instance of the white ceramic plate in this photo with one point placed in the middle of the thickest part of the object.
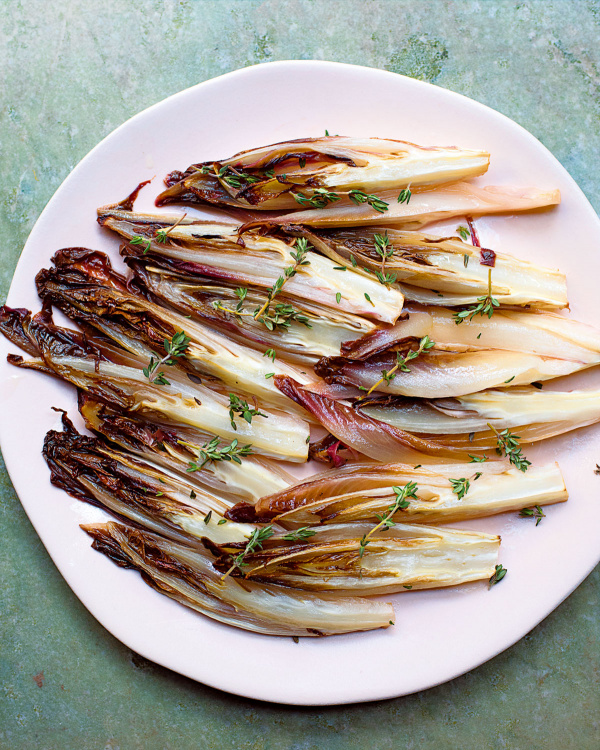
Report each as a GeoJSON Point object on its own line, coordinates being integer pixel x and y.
{"type": "Point", "coordinates": [438, 634]}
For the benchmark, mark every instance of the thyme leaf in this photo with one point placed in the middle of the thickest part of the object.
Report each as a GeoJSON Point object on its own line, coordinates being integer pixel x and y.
{"type": "Point", "coordinates": [299, 534]}
{"type": "Point", "coordinates": [358, 197]}
{"type": "Point", "coordinates": [498, 575]}
{"type": "Point", "coordinates": [463, 232]}
{"type": "Point", "coordinates": [137, 239]}
{"type": "Point", "coordinates": [402, 501]}
{"type": "Point", "coordinates": [385, 250]}
{"type": "Point", "coordinates": [485, 305]}
{"type": "Point", "coordinates": [237, 405]}
{"type": "Point", "coordinates": [284, 314]}
{"type": "Point", "coordinates": [175, 348]}
{"type": "Point", "coordinates": [460, 487]}
{"type": "Point", "coordinates": [508, 445]}
{"type": "Point", "coordinates": [535, 512]}
{"type": "Point", "coordinates": [401, 363]}
{"type": "Point", "coordinates": [254, 543]}
{"type": "Point", "coordinates": [477, 459]}
{"type": "Point", "coordinates": [212, 452]}
{"type": "Point", "coordinates": [405, 196]}
{"type": "Point", "coordinates": [319, 199]}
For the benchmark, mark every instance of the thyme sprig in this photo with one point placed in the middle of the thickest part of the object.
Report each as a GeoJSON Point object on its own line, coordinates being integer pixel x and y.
{"type": "Point", "coordinates": [497, 576]}
{"type": "Point", "coordinates": [463, 232]}
{"type": "Point", "coordinates": [385, 250]}
{"type": "Point", "coordinates": [175, 348]}
{"type": "Point", "coordinates": [358, 197]}
{"type": "Point", "coordinates": [255, 542]}
{"type": "Point", "coordinates": [508, 445]}
{"type": "Point", "coordinates": [162, 234]}
{"type": "Point", "coordinates": [535, 512]}
{"type": "Point", "coordinates": [402, 501]}
{"type": "Point", "coordinates": [460, 487]}
{"type": "Point", "coordinates": [282, 316]}
{"type": "Point", "coordinates": [137, 239]}
{"type": "Point", "coordinates": [241, 293]}
{"type": "Point", "coordinates": [299, 534]}
{"type": "Point", "coordinates": [300, 259]}
{"type": "Point", "coordinates": [319, 199]}
{"type": "Point", "coordinates": [485, 305]}
{"type": "Point", "coordinates": [405, 195]}
{"type": "Point", "coordinates": [477, 459]}
{"type": "Point", "coordinates": [237, 178]}
{"type": "Point", "coordinates": [237, 405]}
{"type": "Point", "coordinates": [212, 452]}
{"type": "Point", "coordinates": [401, 363]}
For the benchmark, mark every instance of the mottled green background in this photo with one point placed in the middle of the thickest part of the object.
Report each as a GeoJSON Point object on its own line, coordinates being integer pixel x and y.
{"type": "Point", "coordinates": [70, 72]}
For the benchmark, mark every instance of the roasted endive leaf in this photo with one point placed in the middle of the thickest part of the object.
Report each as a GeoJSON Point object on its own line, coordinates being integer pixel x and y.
{"type": "Point", "coordinates": [361, 433]}
{"type": "Point", "coordinates": [438, 270]}
{"type": "Point", "coordinates": [310, 332]}
{"type": "Point", "coordinates": [130, 488]}
{"type": "Point", "coordinates": [403, 556]}
{"type": "Point", "coordinates": [142, 327]}
{"type": "Point", "coordinates": [510, 348]}
{"type": "Point", "coordinates": [361, 492]}
{"type": "Point", "coordinates": [178, 449]}
{"type": "Point", "coordinates": [189, 576]}
{"type": "Point", "coordinates": [474, 422]}
{"type": "Point", "coordinates": [314, 171]}
{"type": "Point", "coordinates": [425, 207]}
{"type": "Point", "coordinates": [217, 251]}
{"type": "Point", "coordinates": [116, 377]}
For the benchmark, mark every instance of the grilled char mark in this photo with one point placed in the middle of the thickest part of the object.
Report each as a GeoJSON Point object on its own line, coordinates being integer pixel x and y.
{"type": "Point", "coordinates": [38, 335]}
{"type": "Point", "coordinates": [245, 513]}
{"type": "Point", "coordinates": [142, 545]}
{"type": "Point", "coordinates": [122, 429]}
{"type": "Point", "coordinates": [71, 457]}
{"type": "Point", "coordinates": [14, 324]}
{"type": "Point", "coordinates": [198, 186]}
{"type": "Point", "coordinates": [91, 264]}
{"type": "Point", "coordinates": [377, 342]}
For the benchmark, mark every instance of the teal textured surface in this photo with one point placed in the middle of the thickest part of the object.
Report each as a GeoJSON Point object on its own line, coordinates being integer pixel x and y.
{"type": "Point", "coordinates": [70, 75]}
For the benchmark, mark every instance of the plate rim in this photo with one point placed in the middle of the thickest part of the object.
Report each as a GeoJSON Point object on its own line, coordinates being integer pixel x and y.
{"type": "Point", "coordinates": [224, 685]}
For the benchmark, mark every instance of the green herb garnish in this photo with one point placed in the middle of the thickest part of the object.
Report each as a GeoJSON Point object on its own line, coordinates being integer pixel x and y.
{"type": "Point", "coordinates": [508, 445]}
{"type": "Point", "coordinates": [498, 575]}
{"type": "Point", "coordinates": [358, 197]}
{"type": "Point", "coordinates": [299, 534]}
{"type": "Point", "coordinates": [401, 363]}
{"type": "Point", "coordinates": [255, 542]}
{"type": "Point", "coordinates": [319, 199]}
{"type": "Point", "coordinates": [460, 487]}
{"type": "Point", "coordinates": [139, 240]}
{"type": "Point", "coordinates": [535, 512]}
{"type": "Point", "coordinates": [385, 521]}
{"type": "Point", "coordinates": [405, 196]}
{"type": "Point", "coordinates": [212, 452]}
{"type": "Point", "coordinates": [237, 405]}
{"type": "Point", "coordinates": [485, 305]}
{"type": "Point", "coordinates": [463, 232]}
{"type": "Point", "coordinates": [175, 348]}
